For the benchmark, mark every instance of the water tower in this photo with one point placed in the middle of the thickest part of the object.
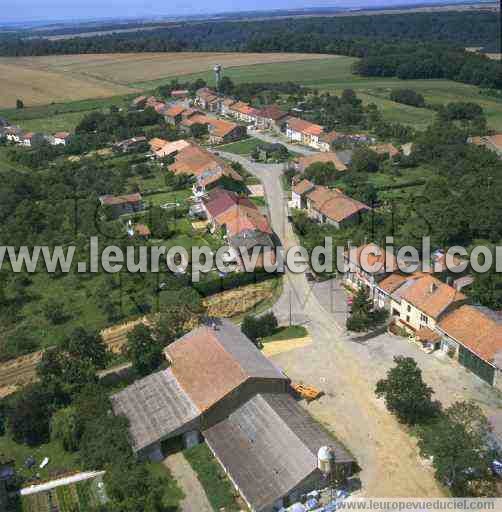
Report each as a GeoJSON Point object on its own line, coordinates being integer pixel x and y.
{"type": "Point", "coordinates": [217, 72]}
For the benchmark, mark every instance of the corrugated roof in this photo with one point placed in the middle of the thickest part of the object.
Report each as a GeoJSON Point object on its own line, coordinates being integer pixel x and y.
{"type": "Point", "coordinates": [269, 446]}
{"type": "Point", "coordinates": [156, 406]}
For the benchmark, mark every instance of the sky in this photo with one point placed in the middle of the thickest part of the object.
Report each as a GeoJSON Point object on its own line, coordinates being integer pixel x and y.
{"type": "Point", "coordinates": [29, 10]}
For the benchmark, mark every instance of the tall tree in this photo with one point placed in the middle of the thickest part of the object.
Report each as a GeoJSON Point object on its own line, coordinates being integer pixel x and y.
{"type": "Point", "coordinates": [406, 395]}
{"type": "Point", "coordinates": [144, 350]}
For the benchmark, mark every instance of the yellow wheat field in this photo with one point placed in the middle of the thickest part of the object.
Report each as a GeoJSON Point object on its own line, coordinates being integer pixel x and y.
{"type": "Point", "coordinates": [60, 78]}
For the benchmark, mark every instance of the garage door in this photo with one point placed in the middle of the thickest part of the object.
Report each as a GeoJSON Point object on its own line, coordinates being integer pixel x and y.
{"type": "Point", "coordinates": [476, 365]}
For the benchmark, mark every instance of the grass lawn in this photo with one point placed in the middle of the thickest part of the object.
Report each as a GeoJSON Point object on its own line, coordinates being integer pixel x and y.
{"type": "Point", "coordinates": [241, 147]}
{"type": "Point", "coordinates": [173, 494]}
{"type": "Point", "coordinates": [59, 460]}
{"type": "Point", "coordinates": [218, 488]}
{"type": "Point", "coordinates": [287, 333]}
{"type": "Point", "coordinates": [176, 196]}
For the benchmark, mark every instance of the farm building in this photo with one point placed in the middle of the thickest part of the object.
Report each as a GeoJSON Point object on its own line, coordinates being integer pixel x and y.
{"type": "Point", "coordinates": [120, 205]}
{"type": "Point", "coordinates": [492, 142]}
{"type": "Point", "coordinates": [473, 336]}
{"type": "Point", "coordinates": [326, 140]}
{"type": "Point", "coordinates": [173, 115]}
{"type": "Point", "coordinates": [207, 99]}
{"type": "Point", "coordinates": [220, 387]}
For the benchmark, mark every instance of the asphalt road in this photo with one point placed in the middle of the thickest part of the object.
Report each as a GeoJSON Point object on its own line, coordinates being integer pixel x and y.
{"type": "Point", "coordinates": [384, 450]}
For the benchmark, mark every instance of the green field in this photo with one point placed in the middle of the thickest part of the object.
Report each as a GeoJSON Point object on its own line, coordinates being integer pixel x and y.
{"type": "Point", "coordinates": [242, 147]}
{"type": "Point", "coordinates": [334, 75]}
{"type": "Point", "coordinates": [60, 116]}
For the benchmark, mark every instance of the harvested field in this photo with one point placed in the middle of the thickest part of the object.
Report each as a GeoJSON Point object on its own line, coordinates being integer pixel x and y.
{"type": "Point", "coordinates": [38, 86]}
{"type": "Point", "coordinates": [60, 78]}
{"type": "Point", "coordinates": [241, 300]}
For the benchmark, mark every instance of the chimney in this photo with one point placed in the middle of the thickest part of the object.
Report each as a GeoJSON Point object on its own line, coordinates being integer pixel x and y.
{"type": "Point", "coordinates": [433, 287]}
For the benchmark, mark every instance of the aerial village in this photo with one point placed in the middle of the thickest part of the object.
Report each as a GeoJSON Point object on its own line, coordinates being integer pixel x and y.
{"type": "Point", "coordinates": [218, 385]}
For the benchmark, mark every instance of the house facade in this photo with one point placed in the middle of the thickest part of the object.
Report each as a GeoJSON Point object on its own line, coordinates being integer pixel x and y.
{"type": "Point", "coordinates": [271, 118]}
{"type": "Point", "coordinates": [303, 132]}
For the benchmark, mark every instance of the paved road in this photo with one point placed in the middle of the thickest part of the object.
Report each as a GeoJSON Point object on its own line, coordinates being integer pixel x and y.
{"type": "Point", "coordinates": [195, 499]}
{"type": "Point", "coordinates": [347, 369]}
{"type": "Point", "coordinates": [266, 137]}
{"type": "Point", "coordinates": [349, 407]}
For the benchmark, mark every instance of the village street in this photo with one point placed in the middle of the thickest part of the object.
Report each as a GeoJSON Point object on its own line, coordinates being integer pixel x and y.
{"type": "Point", "coordinates": [347, 369]}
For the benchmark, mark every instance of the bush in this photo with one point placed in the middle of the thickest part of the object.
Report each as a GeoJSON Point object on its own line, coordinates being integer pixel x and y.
{"type": "Point", "coordinates": [256, 328]}
{"type": "Point", "coordinates": [211, 286]}
{"type": "Point", "coordinates": [408, 97]}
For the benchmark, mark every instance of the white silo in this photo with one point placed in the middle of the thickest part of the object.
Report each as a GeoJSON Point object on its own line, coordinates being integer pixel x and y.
{"type": "Point", "coordinates": [325, 460]}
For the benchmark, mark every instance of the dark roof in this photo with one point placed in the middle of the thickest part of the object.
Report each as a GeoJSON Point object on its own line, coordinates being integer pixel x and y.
{"type": "Point", "coordinates": [211, 362]}
{"type": "Point", "coordinates": [269, 446]}
{"type": "Point", "coordinates": [250, 238]}
{"type": "Point", "coordinates": [156, 407]}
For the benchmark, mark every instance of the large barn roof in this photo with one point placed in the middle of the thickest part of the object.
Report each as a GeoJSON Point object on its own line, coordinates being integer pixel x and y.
{"type": "Point", "coordinates": [156, 407]}
{"type": "Point", "coordinates": [278, 441]}
{"type": "Point", "coordinates": [212, 361]}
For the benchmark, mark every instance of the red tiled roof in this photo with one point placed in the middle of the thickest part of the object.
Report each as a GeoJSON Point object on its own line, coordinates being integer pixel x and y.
{"type": "Point", "coordinates": [272, 112]}
{"type": "Point", "coordinates": [201, 163]}
{"type": "Point", "coordinates": [431, 296]}
{"type": "Point", "coordinates": [303, 186]}
{"type": "Point", "coordinates": [478, 329]}
{"type": "Point", "coordinates": [174, 111]}
{"type": "Point", "coordinates": [156, 143]}
{"type": "Point", "coordinates": [219, 200]}
{"type": "Point", "coordinates": [385, 149]}
{"type": "Point", "coordinates": [373, 256]}
{"type": "Point", "coordinates": [392, 282]}
{"type": "Point", "coordinates": [299, 125]}
{"type": "Point", "coordinates": [221, 128]}
{"type": "Point", "coordinates": [327, 157]}
{"type": "Point", "coordinates": [428, 335]}
{"type": "Point", "coordinates": [335, 204]}
{"type": "Point", "coordinates": [114, 200]}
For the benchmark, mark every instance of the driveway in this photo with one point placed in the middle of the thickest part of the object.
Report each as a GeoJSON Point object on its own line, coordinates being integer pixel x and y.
{"type": "Point", "coordinates": [195, 499]}
{"type": "Point", "coordinates": [347, 369]}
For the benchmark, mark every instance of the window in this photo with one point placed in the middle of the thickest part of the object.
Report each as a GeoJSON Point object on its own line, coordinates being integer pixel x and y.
{"type": "Point", "coordinates": [408, 318]}
{"type": "Point", "coordinates": [409, 308]}
{"type": "Point", "coordinates": [424, 319]}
